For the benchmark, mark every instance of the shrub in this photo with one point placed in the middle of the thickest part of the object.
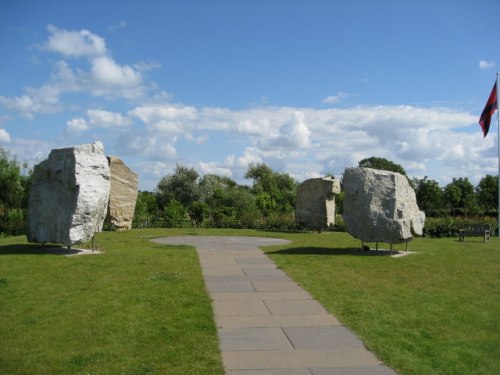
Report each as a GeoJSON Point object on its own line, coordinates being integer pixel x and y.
{"type": "Point", "coordinates": [450, 226]}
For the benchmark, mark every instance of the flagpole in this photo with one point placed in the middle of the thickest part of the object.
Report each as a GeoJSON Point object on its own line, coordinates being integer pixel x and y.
{"type": "Point", "coordinates": [498, 149]}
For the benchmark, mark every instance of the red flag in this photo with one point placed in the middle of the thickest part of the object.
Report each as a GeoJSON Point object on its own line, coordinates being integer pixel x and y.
{"type": "Point", "coordinates": [489, 109]}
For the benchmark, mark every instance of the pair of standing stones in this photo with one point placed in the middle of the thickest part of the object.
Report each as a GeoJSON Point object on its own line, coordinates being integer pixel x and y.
{"type": "Point", "coordinates": [74, 190]}
{"type": "Point", "coordinates": [379, 206]}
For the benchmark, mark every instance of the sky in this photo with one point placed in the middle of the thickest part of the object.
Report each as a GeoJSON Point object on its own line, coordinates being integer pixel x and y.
{"type": "Point", "coordinates": [306, 87]}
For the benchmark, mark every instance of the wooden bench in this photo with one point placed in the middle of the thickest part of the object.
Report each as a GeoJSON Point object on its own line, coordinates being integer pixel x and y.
{"type": "Point", "coordinates": [475, 230]}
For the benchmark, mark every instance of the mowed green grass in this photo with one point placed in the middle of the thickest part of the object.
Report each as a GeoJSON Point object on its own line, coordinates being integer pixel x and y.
{"type": "Point", "coordinates": [142, 308]}
{"type": "Point", "coordinates": [433, 312]}
{"type": "Point", "coordinates": [136, 308]}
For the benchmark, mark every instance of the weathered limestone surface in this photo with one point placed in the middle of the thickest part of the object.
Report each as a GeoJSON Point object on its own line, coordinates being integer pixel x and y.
{"type": "Point", "coordinates": [315, 206]}
{"type": "Point", "coordinates": [69, 195]}
{"type": "Point", "coordinates": [123, 196]}
{"type": "Point", "coordinates": [380, 206]}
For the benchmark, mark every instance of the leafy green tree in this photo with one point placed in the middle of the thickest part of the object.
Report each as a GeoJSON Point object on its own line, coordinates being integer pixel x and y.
{"type": "Point", "coordinates": [229, 204]}
{"type": "Point", "coordinates": [382, 164]}
{"type": "Point", "coordinates": [181, 186]}
{"type": "Point", "coordinates": [145, 206]}
{"type": "Point", "coordinates": [14, 194]}
{"type": "Point", "coordinates": [430, 196]}
{"type": "Point", "coordinates": [174, 214]}
{"type": "Point", "coordinates": [459, 194]}
{"type": "Point", "coordinates": [487, 193]}
{"type": "Point", "coordinates": [14, 186]}
{"type": "Point", "coordinates": [275, 192]}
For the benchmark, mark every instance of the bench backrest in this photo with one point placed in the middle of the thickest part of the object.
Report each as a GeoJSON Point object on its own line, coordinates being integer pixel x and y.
{"type": "Point", "coordinates": [477, 228]}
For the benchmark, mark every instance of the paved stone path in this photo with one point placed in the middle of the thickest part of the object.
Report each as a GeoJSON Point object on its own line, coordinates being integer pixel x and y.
{"type": "Point", "coordinates": [267, 324]}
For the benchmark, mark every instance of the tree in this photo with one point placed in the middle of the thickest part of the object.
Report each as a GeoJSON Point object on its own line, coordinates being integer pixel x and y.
{"type": "Point", "coordinates": [430, 196]}
{"type": "Point", "coordinates": [382, 164]}
{"type": "Point", "coordinates": [14, 186]}
{"type": "Point", "coordinates": [181, 186]}
{"type": "Point", "coordinates": [174, 214]}
{"type": "Point", "coordinates": [228, 204]}
{"type": "Point", "coordinates": [460, 194]}
{"type": "Point", "coordinates": [14, 194]}
{"type": "Point", "coordinates": [487, 193]}
{"type": "Point", "coordinates": [145, 205]}
{"type": "Point", "coordinates": [275, 192]}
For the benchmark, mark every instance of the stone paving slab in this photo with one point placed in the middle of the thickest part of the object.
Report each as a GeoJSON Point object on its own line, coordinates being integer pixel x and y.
{"type": "Point", "coordinates": [268, 324]}
{"type": "Point", "coordinates": [295, 307]}
{"type": "Point", "coordinates": [274, 359]}
{"type": "Point", "coordinates": [240, 308]}
{"type": "Point", "coordinates": [261, 296]}
{"type": "Point", "coordinates": [334, 338]}
{"type": "Point", "coordinates": [230, 286]}
{"type": "Point", "coordinates": [269, 338]}
{"type": "Point", "coordinates": [261, 320]}
{"type": "Point", "coordinates": [276, 286]}
{"type": "Point", "coordinates": [219, 271]}
{"type": "Point", "coordinates": [356, 370]}
{"type": "Point", "coordinates": [287, 371]}
{"type": "Point", "coordinates": [252, 271]}
{"type": "Point", "coordinates": [262, 259]}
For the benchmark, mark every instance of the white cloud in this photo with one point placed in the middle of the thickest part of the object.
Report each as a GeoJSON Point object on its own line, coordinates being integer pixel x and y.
{"type": "Point", "coordinates": [333, 99]}
{"type": "Point", "coordinates": [294, 134]}
{"type": "Point", "coordinates": [98, 118]}
{"type": "Point", "coordinates": [4, 136]}
{"type": "Point", "coordinates": [77, 125]}
{"type": "Point", "coordinates": [106, 119]}
{"type": "Point", "coordinates": [166, 118]}
{"type": "Point", "coordinates": [105, 78]}
{"type": "Point", "coordinates": [214, 168]}
{"type": "Point", "coordinates": [107, 72]}
{"type": "Point", "coordinates": [484, 64]}
{"type": "Point", "coordinates": [44, 99]}
{"type": "Point", "coordinates": [75, 43]}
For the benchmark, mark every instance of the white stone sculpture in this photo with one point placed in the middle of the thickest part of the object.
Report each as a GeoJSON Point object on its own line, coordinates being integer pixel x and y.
{"type": "Point", "coordinates": [69, 195]}
{"type": "Point", "coordinates": [380, 206]}
{"type": "Point", "coordinates": [315, 206]}
{"type": "Point", "coordinates": [123, 195]}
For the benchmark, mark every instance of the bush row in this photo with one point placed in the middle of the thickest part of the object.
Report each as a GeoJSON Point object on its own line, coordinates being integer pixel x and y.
{"type": "Point", "coordinates": [450, 226]}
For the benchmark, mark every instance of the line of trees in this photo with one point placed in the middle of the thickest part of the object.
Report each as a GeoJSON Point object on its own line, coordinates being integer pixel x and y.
{"type": "Point", "coordinates": [15, 182]}
{"type": "Point", "coordinates": [217, 201]}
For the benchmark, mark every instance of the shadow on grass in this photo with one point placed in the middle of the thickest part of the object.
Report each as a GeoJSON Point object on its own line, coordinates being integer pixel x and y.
{"type": "Point", "coordinates": [37, 249]}
{"type": "Point", "coordinates": [332, 251]}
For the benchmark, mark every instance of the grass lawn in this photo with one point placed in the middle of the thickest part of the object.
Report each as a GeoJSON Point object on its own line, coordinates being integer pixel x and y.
{"type": "Point", "coordinates": [142, 308]}
{"type": "Point", "coordinates": [433, 312]}
{"type": "Point", "coordinates": [136, 308]}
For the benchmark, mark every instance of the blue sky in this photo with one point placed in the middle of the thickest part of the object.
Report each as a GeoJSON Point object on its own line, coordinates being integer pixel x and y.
{"type": "Point", "coordinates": [307, 87]}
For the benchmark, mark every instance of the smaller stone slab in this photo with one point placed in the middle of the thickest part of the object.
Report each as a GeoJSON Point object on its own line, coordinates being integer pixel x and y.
{"type": "Point", "coordinates": [315, 205]}
{"type": "Point", "coordinates": [295, 307]}
{"type": "Point", "coordinates": [123, 194]}
{"type": "Point", "coordinates": [333, 338]}
{"type": "Point", "coordinates": [253, 339]}
{"type": "Point", "coordinates": [240, 308]}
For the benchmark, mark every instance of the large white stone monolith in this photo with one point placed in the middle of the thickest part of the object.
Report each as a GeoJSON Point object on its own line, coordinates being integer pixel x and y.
{"type": "Point", "coordinates": [69, 195]}
{"type": "Point", "coordinates": [380, 206]}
